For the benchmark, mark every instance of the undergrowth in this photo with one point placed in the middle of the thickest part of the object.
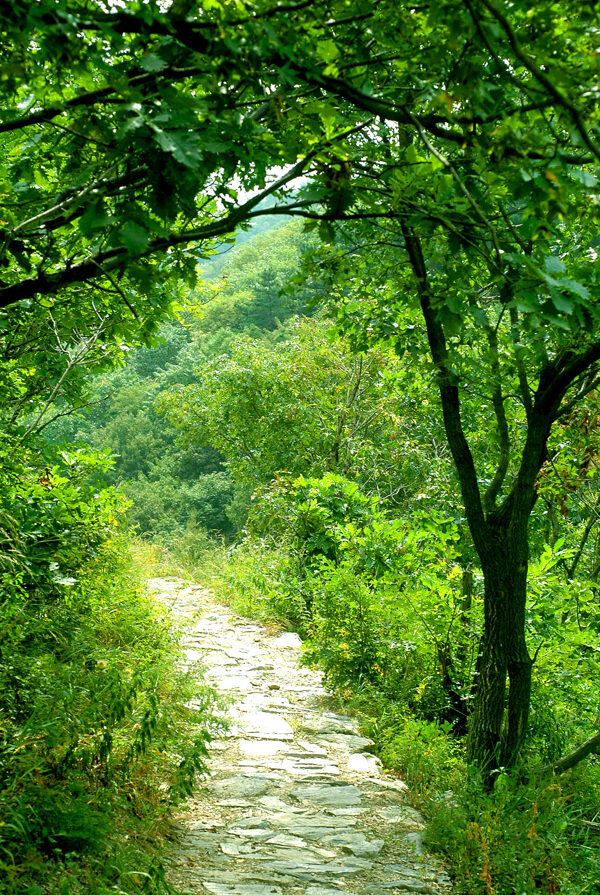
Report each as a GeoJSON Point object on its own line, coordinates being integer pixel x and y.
{"type": "Point", "coordinates": [97, 736]}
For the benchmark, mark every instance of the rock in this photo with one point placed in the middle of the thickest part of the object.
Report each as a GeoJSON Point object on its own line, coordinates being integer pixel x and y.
{"type": "Point", "coordinates": [255, 833]}
{"type": "Point", "coordinates": [346, 812]}
{"type": "Point", "coordinates": [258, 748]}
{"type": "Point", "coordinates": [328, 725]}
{"type": "Point", "coordinates": [242, 787]}
{"type": "Point", "coordinates": [403, 814]}
{"type": "Point", "coordinates": [288, 641]}
{"type": "Point", "coordinates": [251, 828]}
{"type": "Point", "coordinates": [356, 843]}
{"type": "Point", "coordinates": [216, 657]}
{"type": "Point", "coordinates": [403, 884]}
{"type": "Point", "coordinates": [328, 794]}
{"type": "Point", "coordinates": [193, 655]}
{"type": "Point", "coordinates": [416, 841]}
{"type": "Point", "coordinates": [310, 826]}
{"type": "Point", "coordinates": [361, 763]}
{"type": "Point", "coordinates": [274, 803]}
{"type": "Point", "coordinates": [262, 702]}
{"type": "Point", "coordinates": [235, 849]}
{"type": "Point", "coordinates": [350, 742]}
{"type": "Point", "coordinates": [308, 870]}
{"type": "Point", "coordinates": [397, 785]}
{"type": "Point", "coordinates": [241, 889]}
{"type": "Point", "coordinates": [312, 748]}
{"type": "Point", "coordinates": [230, 681]}
{"type": "Point", "coordinates": [285, 841]}
{"type": "Point", "coordinates": [266, 725]}
{"type": "Point", "coordinates": [311, 767]}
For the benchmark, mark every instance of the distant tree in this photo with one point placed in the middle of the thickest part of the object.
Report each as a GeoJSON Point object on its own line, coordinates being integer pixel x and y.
{"type": "Point", "coordinates": [303, 405]}
{"type": "Point", "coordinates": [253, 291]}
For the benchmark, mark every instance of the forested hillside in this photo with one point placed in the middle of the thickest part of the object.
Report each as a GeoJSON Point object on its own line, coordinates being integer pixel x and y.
{"type": "Point", "coordinates": [305, 300]}
{"type": "Point", "coordinates": [177, 484]}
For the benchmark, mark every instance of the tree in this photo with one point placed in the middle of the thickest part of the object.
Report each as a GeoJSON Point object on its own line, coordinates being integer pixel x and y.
{"type": "Point", "coordinates": [465, 134]}
{"type": "Point", "coordinates": [303, 405]}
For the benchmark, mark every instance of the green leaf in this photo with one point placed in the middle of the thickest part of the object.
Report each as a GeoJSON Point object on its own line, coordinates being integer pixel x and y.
{"type": "Point", "coordinates": [182, 145]}
{"type": "Point", "coordinates": [134, 237]}
{"type": "Point", "coordinates": [562, 303]}
{"type": "Point", "coordinates": [326, 232]}
{"type": "Point", "coordinates": [553, 264]}
{"type": "Point", "coordinates": [152, 62]}
{"type": "Point", "coordinates": [584, 177]}
{"type": "Point", "coordinates": [328, 50]}
{"type": "Point", "coordinates": [576, 287]}
{"type": "Point", "coordinates": [95, 217]}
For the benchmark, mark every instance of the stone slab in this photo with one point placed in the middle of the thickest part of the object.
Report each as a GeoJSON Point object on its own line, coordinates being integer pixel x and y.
{"type": "Point", "coordinates": [326, 794]}
{"type": "Point", "coordinates": [242, 889]}
{"type": "Point", "coordinates": [288, 640]}
{"type": "Point", "coordinates": [363, 763]}
{"type": "Point", "coordinates": [403, 815]}
{"type": "Point", "coordinates": [260, 748]}
{"type": "Point", "coordinates": [265, 724]}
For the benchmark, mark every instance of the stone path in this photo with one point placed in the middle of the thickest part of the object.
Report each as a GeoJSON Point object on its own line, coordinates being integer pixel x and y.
{"type": "Point", "coordinates": [295, 804]}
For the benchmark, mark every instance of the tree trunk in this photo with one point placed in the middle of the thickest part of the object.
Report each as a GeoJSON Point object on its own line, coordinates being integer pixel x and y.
{"type": "Point", "coordinates": [498, 721]}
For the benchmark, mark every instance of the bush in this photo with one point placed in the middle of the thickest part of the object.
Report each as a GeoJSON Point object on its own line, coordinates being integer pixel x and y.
{"type": "Point", "coordinates": [96, 738]}
{"type": "Point", "coordinates": [425, 753]}
{"type": "Point", "coordinates": [263, 582]}
{"type": "Point", "coordinates": [521, 839]}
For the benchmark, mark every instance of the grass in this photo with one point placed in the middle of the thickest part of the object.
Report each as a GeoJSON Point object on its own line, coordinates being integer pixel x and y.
{"type": "Point", "coordinates": [97, 739]}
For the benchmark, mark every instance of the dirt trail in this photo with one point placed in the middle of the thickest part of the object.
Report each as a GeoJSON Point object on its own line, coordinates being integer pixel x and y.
{"type": "Point", "coordinates": [295, 803]}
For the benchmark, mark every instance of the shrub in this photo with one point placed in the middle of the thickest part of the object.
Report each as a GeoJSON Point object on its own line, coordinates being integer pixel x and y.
{"type": "Point", "coordinates": [96, 736]}
{"type": "Point", "coordinates": [263, 581]}
{"type": "Point", "coordinates": [521, 839]}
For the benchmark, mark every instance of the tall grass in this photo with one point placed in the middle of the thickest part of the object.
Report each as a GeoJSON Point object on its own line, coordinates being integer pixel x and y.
{"type": "Point", "coordinates": [97, 737]}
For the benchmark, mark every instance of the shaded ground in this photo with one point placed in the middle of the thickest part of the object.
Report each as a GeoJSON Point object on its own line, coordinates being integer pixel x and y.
{"type": "Point", "coordinates": [295, 804]}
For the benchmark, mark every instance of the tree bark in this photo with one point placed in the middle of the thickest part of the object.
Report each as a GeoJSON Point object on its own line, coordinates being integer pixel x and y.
{"type": "Point", "coordinates": [498, 721]}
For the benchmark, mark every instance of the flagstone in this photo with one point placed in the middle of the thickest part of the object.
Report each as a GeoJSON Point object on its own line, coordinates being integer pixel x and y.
{"type": "Point", "coordinates": [295, 804]}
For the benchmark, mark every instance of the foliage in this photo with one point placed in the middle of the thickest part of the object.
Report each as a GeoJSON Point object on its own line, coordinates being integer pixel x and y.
{"type": "Point", "coordinates": [521, 838]}
{"type": "Point", "coordinates": [425, 753]}
{"type": "Point", "coordinates": [262, 581]}
{"type": "Point", "coordinates": [95, 732]}
{"type": "Point", "coordinates": [489, 95]}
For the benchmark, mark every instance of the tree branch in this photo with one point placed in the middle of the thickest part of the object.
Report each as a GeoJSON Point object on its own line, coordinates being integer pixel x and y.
{"type": "Point", "coordinates": [590, 747]}
{"type": "Point", "coordinates": [94, 96]}
{"type": "Point", "coordinates": [558, 376]}
{"type": "Point", "coordinates": [547, 83]}
{"type": "Point", "coordinates": [76, 358]}
{"type": "Point", "coordinates": [114, 259]}
{"type": "Point", "coordinates": [570, 570]}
